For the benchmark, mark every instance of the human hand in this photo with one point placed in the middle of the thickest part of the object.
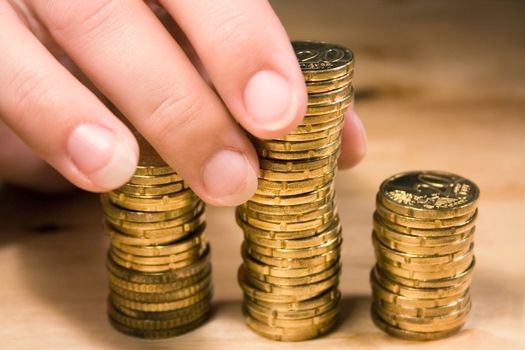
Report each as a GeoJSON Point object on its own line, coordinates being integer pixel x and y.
{"type": "Point", "coordinates": [186, 93]}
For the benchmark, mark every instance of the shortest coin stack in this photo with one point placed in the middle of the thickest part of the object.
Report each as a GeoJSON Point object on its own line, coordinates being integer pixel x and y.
{"type": "Point", "coordinates": [159, 260]}
{"type": "Point", "coordinates": [423, 239]}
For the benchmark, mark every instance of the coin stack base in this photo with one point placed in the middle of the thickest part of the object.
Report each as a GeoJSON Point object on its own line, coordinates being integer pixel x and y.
{"type": "Point", "coordinates": [159, 260]}
{"type": "Point", "coordinates": [423, 239]}
{"type": "Point", "coordinates": [291, 253]}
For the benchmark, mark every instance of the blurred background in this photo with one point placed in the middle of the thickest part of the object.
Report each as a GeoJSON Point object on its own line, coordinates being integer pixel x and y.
{"type": "Point", "coordinates": [421, 50]}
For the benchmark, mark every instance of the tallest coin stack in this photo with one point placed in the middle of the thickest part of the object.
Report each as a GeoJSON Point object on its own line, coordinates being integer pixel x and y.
{"type": "Point", "coordinates": [291, 253]}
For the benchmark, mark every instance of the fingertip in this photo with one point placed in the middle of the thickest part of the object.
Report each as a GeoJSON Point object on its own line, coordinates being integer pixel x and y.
{"type": "Point", "coordinates": [354, 141]}
{"type": "Point", "coordinates": [228, 178]}
{"type": "Point", "coordinates": [274, 104]}
{"type": "Point", "coordinates": [106, 159]}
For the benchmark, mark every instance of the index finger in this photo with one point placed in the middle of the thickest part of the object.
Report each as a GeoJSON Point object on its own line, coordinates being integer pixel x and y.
{"type": "Point", "coordinates": [250, 60]}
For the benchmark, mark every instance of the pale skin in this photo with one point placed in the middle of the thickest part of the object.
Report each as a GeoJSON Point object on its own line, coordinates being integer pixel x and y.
{"type": "Point", "coordinates": [189, 75]}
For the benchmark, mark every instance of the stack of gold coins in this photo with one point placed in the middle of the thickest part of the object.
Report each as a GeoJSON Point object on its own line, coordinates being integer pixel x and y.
{"type": "Point", "coordinates": [291, 253]}
{"type": "Point", "coordinates": [423, 239]}
{"type": "Point", "coordinates": [159, 260]}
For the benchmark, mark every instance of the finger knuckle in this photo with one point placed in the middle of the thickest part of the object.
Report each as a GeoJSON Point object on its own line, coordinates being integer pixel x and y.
{"type": "Point", "coordinates": [31, 91]}
{"type": "Point", "coordinates": [78, 17]}
{"type": "Point", "coordinates": [173, 115]}
{"type": "Point", "coordinates": [230, 26]}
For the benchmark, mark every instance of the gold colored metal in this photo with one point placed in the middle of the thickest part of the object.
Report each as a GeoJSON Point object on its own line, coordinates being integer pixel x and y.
{"type": "Point", "coordinates": [161, 203]}
{"type": "Point", "coordinates": [429, 194]}
{"type": "Point", "coordinates": [329, 85]}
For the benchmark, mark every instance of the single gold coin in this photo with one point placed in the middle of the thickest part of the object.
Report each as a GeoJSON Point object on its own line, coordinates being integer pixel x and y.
{"type": "Point", "coordinates": [159, 307]}
{"type": "Point", "coordinates": [292, 188]}
{"type": "Point", "coordinates": [424, 312]}
{"type": "Point", "coordinates": [119, 213]}
{"type": "Point", "coordinates": [332, 96]}
{"type": "Point", "coordinates": [141, 229]}
{"type": "Point", "coordinates": [167, 202]}
{"type": "Point", "coordinates": [245, 210]}
{"type": "Point", "coordinates": [430, 324]}
{"type": "Point", "coordinates": [151, 191]}
{"type": "Point", "coordinates": [289, 334]}
{"type": "Point", "coordinates": [148, 324]}
{"type": "Point", "coordinates": [195, 239]}
{"type": "Point", "coordinates": [303, 198]}
{"type": "Point", "coordinates": [291, 323]}
{"type": "Point", "coordinates": [409, 335]}
{"type": "Point", "coordinates": [130, 263]}
{"type": "Point", "coordinates": [192, 253]}
{"type": "Point", "coordinates": [284, 290]}
{"type": "Point", "coordinates": [264, 269]}
{"type": "Point", "coordinates": [308, 127]}
{"type": "Point", "coordinates": [324, 151]}
{"type": "Point", "coordinates": [144, 170]}
{"type": "Point", "coordinates": [429, 194]}
{"type": "Point", "coordinates": [303, 243]}
{"type": "Point", "coordinates": [172, 276]}
{"type": "Point", "coordinates": [330, 107]}
{"type": "Point", "coordinates": [284, 226]}
{"type": "Point", "coordinates": [322, 118]}
{"type": "Point", "coordinates": [298, 166]}
{"type": "Point", "coordinates": [146, 180]}
{"type": "Point", "coordinates": [418, 293]}
{"type": "Point", "coordinates": [160, 237]}
{"type": "Point", "coordinates": [298, 209]}
{"type": "Point", "coordinates": [281, 235]}
{"type": "Point", "coordinates": [173, 295]}
{"type": "Point", "coordinates": [422, 241]}
{"type": "Point", "coordinates": [295, 253]}
{"type": "Point", "coordinates": [379, 292]}
{"type": "Point", "coordinates": [255, 293]}
{"type": "Point", "coordinates": [297, 175]}
{"type": "Point", "coordinates": [465, 276]}
{"type": "Point", "coordinates": [458, 247]}
{"type": "Point", "coordinates": [165, 315]}
{"type": "Point", "coordinates": [424, 264]}
{"type": "Point", "coordinates": [324, 136]}
{"type": "Point", "coordinates": [330, 296]}
{"type": "Point", "coordinates": [294, 281]}
{"type": "Point", "coordinates": [314, 87]}
{"type": "Point", "coordinates": [158, 334]}
{"type": "Point", "coordinates": [323, 61]}
{"type": "Point", "coordinates": [323, 259]}
{"type": "Point", "coordinates": [296, 146]}
{"type": "Point", "coordinates": [427, 232]}
{"type": "Point", "coordinates": [422, 223]}
{"type": "Point", "coordinates": [433, 261]}
{"type": "Point", "coordinates": [406, 271]}
{"type": "Point", "coordinates": [165, 287]}
{"type": "Point", "coordinates": [291, 314]}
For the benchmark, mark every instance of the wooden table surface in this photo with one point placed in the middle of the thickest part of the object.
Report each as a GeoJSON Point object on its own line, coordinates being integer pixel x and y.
{"type": "Point", "coordinates": [439, 85]}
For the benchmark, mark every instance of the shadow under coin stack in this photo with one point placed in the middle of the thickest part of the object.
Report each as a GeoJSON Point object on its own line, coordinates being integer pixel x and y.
{"type": "Point", "coordinates": [291, 253]}
{"type": "Point", "coordinates": [159, 260]}
{"type": "Point", "coordinates": [423, 239]}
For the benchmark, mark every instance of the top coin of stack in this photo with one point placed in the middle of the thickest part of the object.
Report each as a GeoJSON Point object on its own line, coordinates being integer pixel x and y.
{"type": "Point", "coordinates": [423, 240]}
{"type": "Point", "coordinates": [291, 253]}
{"type": "Point", "coordinates": [158, 263]}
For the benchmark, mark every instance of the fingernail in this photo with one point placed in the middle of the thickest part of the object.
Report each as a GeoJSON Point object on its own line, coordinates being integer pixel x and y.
{"type": "Point", "coordinates": [269, 100]}
{"type": "Point", "coordinates": [229, 178]}
{"type": "Point", "coordinates": [101, 156]}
